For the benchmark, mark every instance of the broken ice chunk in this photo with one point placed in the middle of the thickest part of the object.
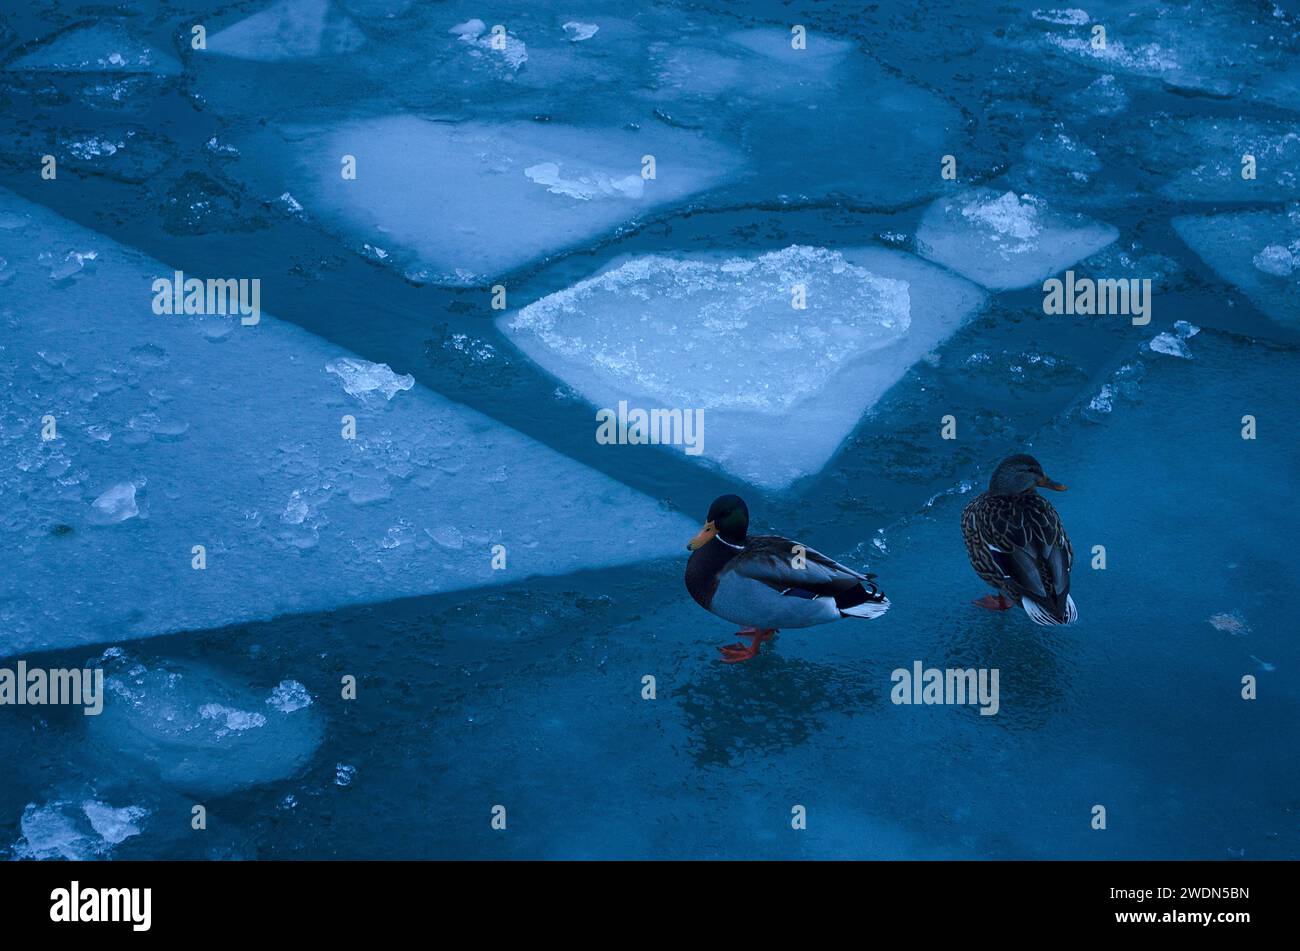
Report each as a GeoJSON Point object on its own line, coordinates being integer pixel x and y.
{"type": "Point", "coordinates": [1276, 260]}
{"type": "Point", "coordinates": [1169, 344]}
{"type": "Point", "coordinates": [577, 32]}
{"type": "Point", "coordinates": [116, 503]}
{"type": "Point", "coordinates": [361, 377]}
{"type": "Point", "coordinates": [1006, 241]}
{"type": "Point", "coordinates": [777, 355]}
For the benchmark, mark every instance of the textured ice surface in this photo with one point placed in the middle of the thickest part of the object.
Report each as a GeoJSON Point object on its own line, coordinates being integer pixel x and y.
{"type": "Point", "coordinates": [1004, 240]}
{"type": "Point", "coordinates": [1204, 158]}
{"type": "Point", "coordinates": [500, 47]}
{"type": "Point", "coordinates": [1146, 483]}
{"type": "Point", "coordinates": [289, 29]}
{"type": "Point", "coordinates": [780, 387]}
{"type": "Point", "coordinates": [1256, 251]}
{"type": "Point", "coordinates": [174, 432]}
{"type": "Point", "coordinates": [100, 47]}
{"type": "Point", "coordinates": [199, 732]}
{"type": "Point", "coordinates": [1220, 49]}
{"type": "Point", "coordinates": [466, 202]}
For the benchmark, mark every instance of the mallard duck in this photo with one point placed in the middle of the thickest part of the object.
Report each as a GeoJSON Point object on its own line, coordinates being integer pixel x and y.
{"type": "Point", "coordinates": [766, 582]}
{"type": "Point", "coordinates": [1018, 545]}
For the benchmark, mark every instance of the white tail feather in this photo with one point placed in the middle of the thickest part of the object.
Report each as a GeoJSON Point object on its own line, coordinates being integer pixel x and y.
{"type": "Point", "coordinates": [867, 609]}
{"type": "Point", "coordinates": [1040, 616]}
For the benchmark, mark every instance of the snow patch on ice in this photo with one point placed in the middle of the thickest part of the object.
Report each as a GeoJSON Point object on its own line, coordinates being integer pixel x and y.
{"type": "Point", "coordinates": [584, 187]}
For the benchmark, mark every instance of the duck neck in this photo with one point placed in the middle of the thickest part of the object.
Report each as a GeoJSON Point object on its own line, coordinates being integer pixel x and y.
{"type": "Point", "coordinates": [703, 567]}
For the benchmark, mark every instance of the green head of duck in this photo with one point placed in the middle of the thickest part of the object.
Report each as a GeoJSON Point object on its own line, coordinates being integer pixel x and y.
{"type": "Point", "coordinates": [728, 518]}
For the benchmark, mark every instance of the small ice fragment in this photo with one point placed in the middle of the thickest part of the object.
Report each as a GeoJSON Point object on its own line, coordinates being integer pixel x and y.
{"type": "Point", "coordinates": [1185, 330]}
{"type": "Point", "coordinates": [343, 774]}
{"type": "Point", "coordinates": [289, 696]}
{"type": "Point", "coordinates": [232, 720]}
{"type": "Point", "coordinates": [114, 826]}
{"type": "Point", "coordinates": [469, 29]}
{"type": "Point", "coordinates": [296, 511]}
{"type": "Point", "coordinates": [1231, 622]}
{"type": "Point", "coordinates": [1167, 343]}
{"type": "Point", "coordinates": [116, 504]}
{"type": "Point", "coordinates": [577, 32]}
{"type": "Point", "coordinates": [1102, 403]}
{"type": "Point", "coordinates": [1276, 260]}
{"type": "Point", "coordinates": [1068, 17]}
{"type": "Point", "coordinates": [361, 377]}
{"type": "Point", "coordinates": [73, 262]}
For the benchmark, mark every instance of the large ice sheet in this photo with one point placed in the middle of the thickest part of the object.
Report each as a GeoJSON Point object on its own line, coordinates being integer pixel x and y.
{"type": "Point", "coordinates": [99, 47]}
{"type": "Point", "coordinates": [1256, 251]}
{"type": "Point", "coordinates": [779, 387]}
{"type": "Point", "coordinates": [177, 431]}
{"type": "Point", "coordinates": [466, 202]}
{"type": "Point", "coordinates": [1004, 240]}
{"type": "Point", "coordinates": [289, 29]}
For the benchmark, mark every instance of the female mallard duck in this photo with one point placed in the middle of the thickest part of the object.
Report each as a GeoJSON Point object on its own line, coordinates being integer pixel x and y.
{"type": "Point", "coordinates": [766, 582]}
{"type": "Point", "coordinates": [1018, 545]}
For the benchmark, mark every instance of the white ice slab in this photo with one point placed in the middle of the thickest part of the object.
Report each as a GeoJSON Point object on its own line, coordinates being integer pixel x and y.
{"type": "Point", "coordinates": [470, 201]}
{"type": "Point", "coordinates": [289, 29]}
{"type": "Point", "coordinates": [229, 436]}
{"type": "Point", "coordinates": [780, 388]}
{"type": "Point", "coordinates": [1003, 240]}
{"type": "Point", "coordinates": [1256, 251]}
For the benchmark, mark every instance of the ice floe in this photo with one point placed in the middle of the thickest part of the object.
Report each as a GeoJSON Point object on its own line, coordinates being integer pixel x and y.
{"type": "Point", "coordinates": [1004, 240]}
{"type": "Point", "coordinates": [780, 386]}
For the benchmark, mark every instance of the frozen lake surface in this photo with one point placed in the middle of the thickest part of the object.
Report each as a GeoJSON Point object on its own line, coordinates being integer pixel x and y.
{"type": "Point", "coordinates": [471, 240]}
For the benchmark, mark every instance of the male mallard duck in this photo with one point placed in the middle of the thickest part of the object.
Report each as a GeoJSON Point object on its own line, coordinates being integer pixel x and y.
{"type": "Point", "coordinates": [766, 582]}
{"type": "Point", "coordinates": [1018, 545]}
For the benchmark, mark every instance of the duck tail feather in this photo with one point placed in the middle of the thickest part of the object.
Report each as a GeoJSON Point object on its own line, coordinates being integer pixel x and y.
{"type": "Point", "coordinates": [1041, 615]}
{"type": "Point", "coordinates": [867, 609]}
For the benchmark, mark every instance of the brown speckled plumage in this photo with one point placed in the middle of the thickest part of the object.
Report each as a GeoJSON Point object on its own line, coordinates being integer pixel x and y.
{"type": "Point", "coordinates": [1033, 556]}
